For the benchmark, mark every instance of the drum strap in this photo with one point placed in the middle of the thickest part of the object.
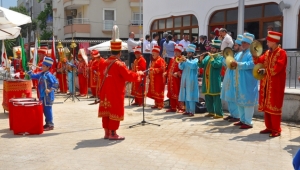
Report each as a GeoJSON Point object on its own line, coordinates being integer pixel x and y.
{"type": "Point", "coordinates": [105, 74]}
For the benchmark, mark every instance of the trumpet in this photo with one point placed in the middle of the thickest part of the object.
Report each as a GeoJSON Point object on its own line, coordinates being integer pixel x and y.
{"type": "Point", "coordinates": [180, 59]}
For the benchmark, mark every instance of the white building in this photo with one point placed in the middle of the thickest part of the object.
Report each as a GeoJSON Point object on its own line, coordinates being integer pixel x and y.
{"type": "Point", "coordinates": [195, 17]}
{"type": "Point", "coordinates": [94, 19]}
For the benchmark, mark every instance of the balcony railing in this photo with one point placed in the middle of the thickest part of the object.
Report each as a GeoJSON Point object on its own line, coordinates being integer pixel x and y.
{"type": "Point", "coordinates": [136, 22]}
{"type": "Point", "coordinates": [77, 21]}
{"type": "Point", "coordinates": [108, 25]}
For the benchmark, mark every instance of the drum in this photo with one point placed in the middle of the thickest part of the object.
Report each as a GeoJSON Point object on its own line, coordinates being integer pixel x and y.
{"type": "Point", "coordinates": [12, 109]}
{"type": "Point", "coordinates": [15, 89]}
{"type": "Point", "coordinates": [28, 118]}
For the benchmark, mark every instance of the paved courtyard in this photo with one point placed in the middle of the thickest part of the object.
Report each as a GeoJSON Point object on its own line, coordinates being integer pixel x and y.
{"type": "Point", "coordinates": [179, 143]}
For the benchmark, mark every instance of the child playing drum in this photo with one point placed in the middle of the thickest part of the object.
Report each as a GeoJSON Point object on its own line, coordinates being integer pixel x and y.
{"type": "Point", "coordinates": [47, 83]}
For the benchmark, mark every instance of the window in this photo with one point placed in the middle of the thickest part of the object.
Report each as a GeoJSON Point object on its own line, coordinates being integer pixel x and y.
{"type": "Point", "coordinates": [218, 17]}
{"type": "Point", "coordinates": [79, 15]}
{"type": "Point", "coordinates": [177, 22]}
{"type": "Point", "coordinates": [185, 24]}
{"type": "Point", "coordinates": [232, 15]}
{"type": "Point", "coordinates": [109, 17]}
{"type": "Point", "coordinates": [136, 19]}
{"type": "Point", "coordinates": [272, 10]}
{"type": "Point", "coordinates": [253, 12]}
{"type": "Point", "coordinates": [161, 24]}
{"type": "Point", "coordinates": [186, 21]}
{"type": "Point", "coordinates": [170, 23]}
{"type": "Point", "coordinates": [257, 17]}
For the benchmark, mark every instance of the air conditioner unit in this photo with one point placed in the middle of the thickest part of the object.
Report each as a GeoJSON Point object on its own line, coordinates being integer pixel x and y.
{"type": "Point", "coordinates": [74, 12]}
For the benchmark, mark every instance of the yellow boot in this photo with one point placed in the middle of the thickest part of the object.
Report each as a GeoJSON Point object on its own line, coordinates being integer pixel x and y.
{"type": "Point", "coordinates": [210, 115]}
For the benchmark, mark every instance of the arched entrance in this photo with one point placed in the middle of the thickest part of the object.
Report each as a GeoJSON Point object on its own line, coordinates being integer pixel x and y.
{"type": "Point", "coordinates": [257, 19]}
{"type": "Point", "coordinates": [180, 25]}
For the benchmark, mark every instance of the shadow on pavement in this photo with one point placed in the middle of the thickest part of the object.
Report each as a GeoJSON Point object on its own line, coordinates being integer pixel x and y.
{"type": "Point", "coordinates": [296, 139]}
{"type": "Point", "coordinates": [95, 143]}
{"type": "Point", "coordinates": [229, 129]}
{"type": "Point", "coordinates": [216, 122]}
{"type": "Point", "coordinates": [255, 137]}
{"type": "Point", "coordinates": [3, 115]}
{"type": "Point", "coordinates": [10, 134]}
{"type": "Point", "coordinates": [292, 149]}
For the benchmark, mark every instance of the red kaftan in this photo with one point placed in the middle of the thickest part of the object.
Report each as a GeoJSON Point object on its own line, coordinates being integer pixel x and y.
{"type": "Point", "coordinates": [173, 82]}
{"type": "Point", "coordinates": [94, 74]}
{"type": "Point", "coordinates": [83, 78]}
{"type": "Point", "coordinates": [62, 77]}
{"type": "Point", "coordinates": [139, 64]}
{"type": "Point", "coordinates": [112, 92]}
{"type": "Point", "coordinates": [157, 84]}
{"type": "Point", "coordinates": [272, 86]}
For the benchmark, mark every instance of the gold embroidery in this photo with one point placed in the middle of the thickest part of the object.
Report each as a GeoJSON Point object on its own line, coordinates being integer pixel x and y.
{"type": "Point", "coordinates": [266, 88]}
{"type": "Point", "coordinates": [151, 75]}
{"type": "Point", "coordinates": [110, 115]}
{"type": "Point", "coordinates": [17, 85]}
{"type": "Point", "coordinates": [105, 103]}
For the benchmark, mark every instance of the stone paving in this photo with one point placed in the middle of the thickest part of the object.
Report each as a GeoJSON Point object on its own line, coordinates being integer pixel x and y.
{"type": "Point", "coordinates": [179, 143]}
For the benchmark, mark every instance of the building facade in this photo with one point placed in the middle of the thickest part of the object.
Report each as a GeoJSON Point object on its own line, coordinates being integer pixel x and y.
{"type": "Point", "coordinates": [33, 8]}
{"type": "Point", "coordinates": [201, 17]}
{"type": "Point", "coordinates": [94, 19]}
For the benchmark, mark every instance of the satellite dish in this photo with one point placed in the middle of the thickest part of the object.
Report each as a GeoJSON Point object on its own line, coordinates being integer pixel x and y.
{"type": "Point", "coordinates": [283, 6]}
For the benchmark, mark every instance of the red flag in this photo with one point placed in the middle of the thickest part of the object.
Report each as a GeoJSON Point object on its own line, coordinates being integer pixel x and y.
{"type": "Point", "coordinates": [53, 56]}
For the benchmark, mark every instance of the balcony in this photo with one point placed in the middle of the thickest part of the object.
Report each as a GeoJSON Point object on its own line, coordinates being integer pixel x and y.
{"type": "Point", "coordinates": [77, 21]}
{"type": "Point", "coordinates": [73, 4]}
{"type": "Point", "coordinates": [135, 3]}
{"type": "Point", "coordinates": [135, 27]}
{"type": "Point", "coordinates": [108, 25]}
{"type": "Point", "coordinates": [79, 26]}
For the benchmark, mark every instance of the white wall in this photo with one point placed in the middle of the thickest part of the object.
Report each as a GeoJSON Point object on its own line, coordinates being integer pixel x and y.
{"type": "Point", "coordinates": [155, 9]}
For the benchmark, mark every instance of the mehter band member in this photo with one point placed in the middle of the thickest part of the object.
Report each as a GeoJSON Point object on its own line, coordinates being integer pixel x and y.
{"type": "Point", "coordinates": [271, 91]}
{"type": "Point", "coordinates": [113, 75]}
{"type": "Point", "coordinates": [139, 64]}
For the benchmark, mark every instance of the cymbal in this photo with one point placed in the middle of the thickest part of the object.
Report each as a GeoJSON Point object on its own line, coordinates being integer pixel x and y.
{"type": "Point", "coordinates": [228, 52]}
{"type": "Point", "coordinates": [255, 73]}
{"type": "Point", "coordinates": [256, 48]}
{"type": "Point", "coordinates": [230, 59]}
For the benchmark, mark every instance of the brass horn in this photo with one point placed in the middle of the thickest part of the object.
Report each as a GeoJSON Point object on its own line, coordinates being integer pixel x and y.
{"type": "Point", "coordinates": [256, 49]}
{"type": "Point", "coordinates": [180, 59]}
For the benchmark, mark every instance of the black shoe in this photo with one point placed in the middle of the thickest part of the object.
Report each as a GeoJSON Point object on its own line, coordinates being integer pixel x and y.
{"type": "Point", "coordinates": [48, 127]}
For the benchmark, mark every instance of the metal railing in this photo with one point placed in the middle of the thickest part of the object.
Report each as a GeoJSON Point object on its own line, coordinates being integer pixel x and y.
{"type": "Point", "coordinates": [292, 69]}
{"type": "Point", "coordinates": [77, 21]}
{"type": "Point", "coordinates": [136, 22]}
{"type": "Point", "coordinates": [108, 24]}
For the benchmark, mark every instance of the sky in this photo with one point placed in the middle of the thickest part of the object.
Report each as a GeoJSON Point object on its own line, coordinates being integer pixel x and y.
{"type": "Point", "coordinates": [8, 3]}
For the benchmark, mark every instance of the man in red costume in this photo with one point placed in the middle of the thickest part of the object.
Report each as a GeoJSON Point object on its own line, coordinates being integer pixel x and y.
{"type": "Point", "coordinates": [61, 72]}
{"type": "Point", "coordinates": [95, 64]}
{"type": "Point", "coordinates": [139, 64]}
{"type": "Point", "coordinates": [174, 78]}
{"type": "Point", "coordinates": [17, 63]}
{"type": "Point", "coordinates": [271, 91]}
{"type": "Point", "coordinates": [157, 83]}
{"type": "Point", "coordinates": [82, 70]}
{"type": "Point", "coordinates": [113, 75]}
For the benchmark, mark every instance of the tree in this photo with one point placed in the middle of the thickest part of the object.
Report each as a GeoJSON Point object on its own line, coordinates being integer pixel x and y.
{"type": "Point", "coordinates": [27, 28]}
{"type": "Point", "coordinates": [22, 10]}
{"type": "Point", "coordinates": [42, 20]}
